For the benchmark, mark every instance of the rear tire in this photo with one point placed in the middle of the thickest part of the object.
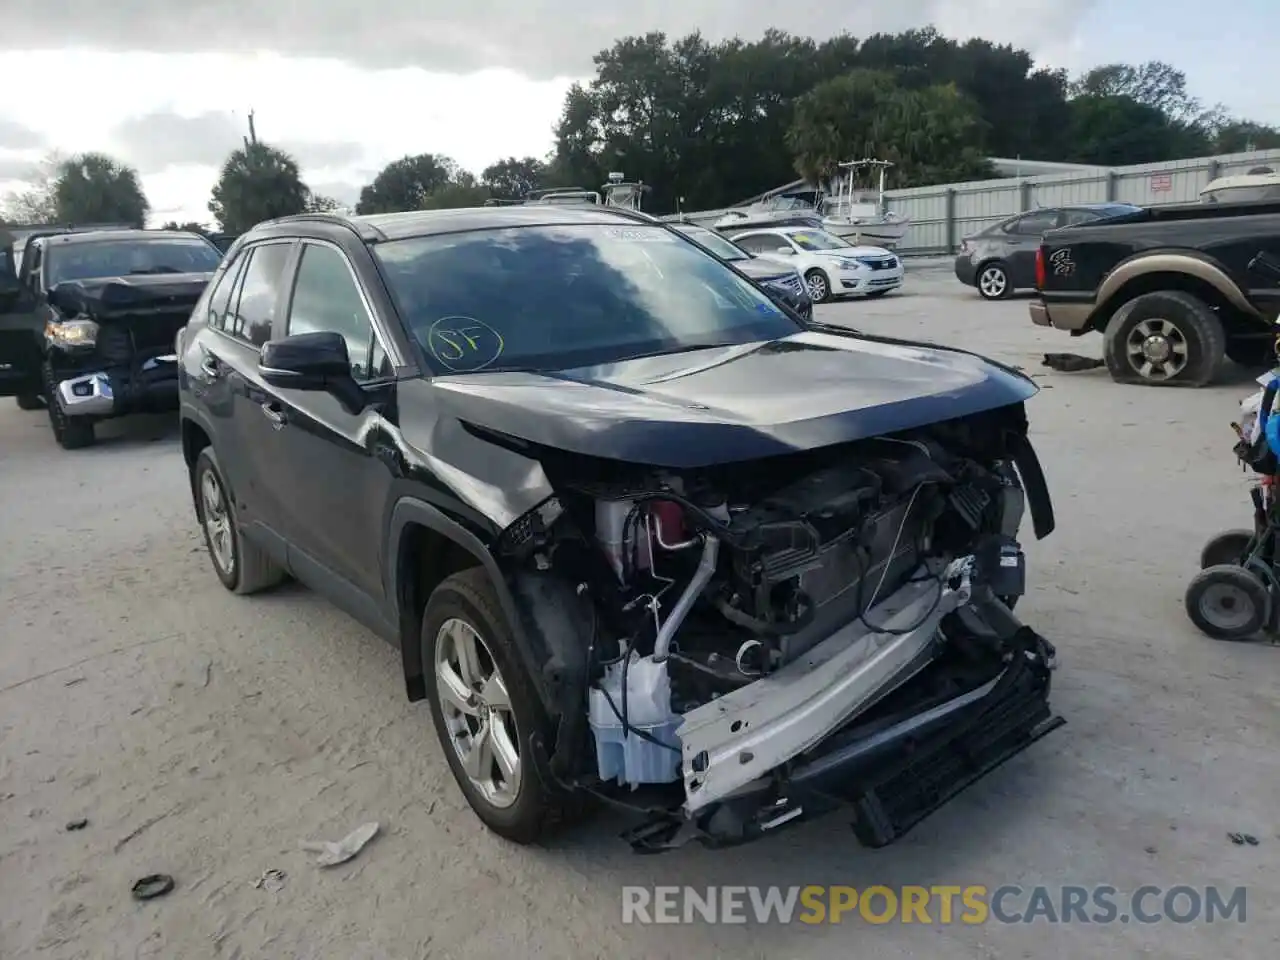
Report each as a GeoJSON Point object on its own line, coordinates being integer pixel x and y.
{"type": "Point", "coordinates": [241, 565]}
{"type": "Point", "coordinates": [523, 806]}
{"type": "Point", "coordinates": [1251, 353]}
{"type": "Point", "coordinates": [1226, 549]}
{"type": "Point", "coordinates": [29, 401]}
{"type": "Point", "coordinates": [1166, 338]}
{"type": "Point", "coordinates": [992, 281]}
{"type": "Point", "coordinates": [1227, 602]}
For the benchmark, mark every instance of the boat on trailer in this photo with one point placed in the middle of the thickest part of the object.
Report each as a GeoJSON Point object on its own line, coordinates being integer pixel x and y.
{"type": "Point", "coordinates": [859, 215]}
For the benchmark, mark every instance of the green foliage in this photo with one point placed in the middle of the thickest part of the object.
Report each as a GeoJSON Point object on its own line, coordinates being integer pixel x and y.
{"type": "Point", "coordinates": [189, 227]}
{"type": "Point", "coordinates": [96, 188]}
{"type": "Point", "coordinates": [715, 123]}
{"type": "Point", "coordinates": [319, 203]}
{"type": "Point", "coordinates": [406, 183]}
{"type": "Point", "coordinates": [453, 195]}
{"type": "Point", "coordinates": [512, 178]}
{"type": "Point", "coordinates": [258, 182]}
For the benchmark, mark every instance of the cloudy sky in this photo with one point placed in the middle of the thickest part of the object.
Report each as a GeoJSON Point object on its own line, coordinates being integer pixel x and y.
{"type": "Point", "coordinates": [347, 85]}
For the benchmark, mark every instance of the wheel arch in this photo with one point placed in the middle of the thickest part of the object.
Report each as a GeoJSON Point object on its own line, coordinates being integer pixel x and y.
{"type": "Point", "coordinates": [1194, 274]}
{"type": "Point", "coordinates": [195, 437]}
{"type": "Point", "coordinates": [425, 546]}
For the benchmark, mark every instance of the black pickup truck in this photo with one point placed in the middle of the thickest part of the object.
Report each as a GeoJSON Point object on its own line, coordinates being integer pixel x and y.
{"type": "Point", "coordinates": [88, 322]}
{"type": "Point", "coordinates": [1171, 289]}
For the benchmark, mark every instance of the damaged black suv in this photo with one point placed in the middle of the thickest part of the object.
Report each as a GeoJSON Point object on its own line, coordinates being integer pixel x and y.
{"type": "Point", "coordinates": [640, 534]}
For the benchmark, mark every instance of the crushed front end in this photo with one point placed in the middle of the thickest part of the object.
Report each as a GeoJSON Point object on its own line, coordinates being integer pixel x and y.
{"type": "Point", "coordinates": [774, 639]}
{"type": "Point", "coordinates": [110, 347]}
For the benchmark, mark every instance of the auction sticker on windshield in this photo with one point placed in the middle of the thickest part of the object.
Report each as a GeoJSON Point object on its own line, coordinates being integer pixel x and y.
{"type": "Point", "coordinates": [464, 344]}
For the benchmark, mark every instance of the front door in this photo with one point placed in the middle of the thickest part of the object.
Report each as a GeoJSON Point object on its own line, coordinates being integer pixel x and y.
{"type": "Point", "coordinates": [241, 320]}
{"type": "Point", "coordinates": [334, 484]}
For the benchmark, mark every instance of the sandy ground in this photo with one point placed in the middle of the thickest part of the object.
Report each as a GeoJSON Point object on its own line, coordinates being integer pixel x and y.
{"type": "Point", "coordinates": [206, 736]}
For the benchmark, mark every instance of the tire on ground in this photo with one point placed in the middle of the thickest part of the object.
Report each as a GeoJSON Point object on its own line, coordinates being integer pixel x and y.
{"type": "Point", "coordinates": [1195, 323]}
{"type": "Point", "coordinates": [1001, 291]}
{"type": "Point", "coordinates": [1252, 353]}
{"type": "Point", "coordinates": [252, 569]}
{"type": "Point", "coordinates": [29, 401]}
{"type": "Point", "coordinates": [541, 807]}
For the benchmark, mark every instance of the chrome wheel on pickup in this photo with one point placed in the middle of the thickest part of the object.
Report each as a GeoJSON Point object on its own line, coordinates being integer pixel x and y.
{"type": "Point", "coordinates": [1165, 338]}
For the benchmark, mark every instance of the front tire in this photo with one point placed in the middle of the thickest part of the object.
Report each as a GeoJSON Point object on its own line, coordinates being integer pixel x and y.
{"type": "Point", "coordinates": [486, 712]}
{"type": "Point", "coordinates": [819, 286]}
{"type": "Point", "coordinates": [1227, 602]}
{"type": "Point", "coordinates": [993, 281]}
{"type": "Point", "coordinates": [1165, 338]}
{"type": "Point", "coordinates": [29, 401]}
{"type": "Point", "coordinates": [242, 566]}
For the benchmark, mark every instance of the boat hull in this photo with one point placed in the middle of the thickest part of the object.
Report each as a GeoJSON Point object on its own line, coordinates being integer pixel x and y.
{"type": "Point", "coordinates": [886, 233]}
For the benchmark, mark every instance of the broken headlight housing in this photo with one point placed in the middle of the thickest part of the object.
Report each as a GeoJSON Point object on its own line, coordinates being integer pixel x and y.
{"type": "Point", "coordinates": [80, 333]}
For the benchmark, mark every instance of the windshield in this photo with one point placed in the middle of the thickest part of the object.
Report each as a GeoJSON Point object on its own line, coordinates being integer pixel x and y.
{"type": "Point", "coordinates": [817, 240]}
{"type": "Point", "coordinates": [717, 244]}
{"type": "Point", "coordinates": [120, 258]}
{"type": "Point", "coordinates": [554, 298]}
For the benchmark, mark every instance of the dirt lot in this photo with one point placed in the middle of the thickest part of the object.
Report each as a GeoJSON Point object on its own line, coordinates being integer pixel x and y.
{"type": "Point", "coordinates": [206, 736]}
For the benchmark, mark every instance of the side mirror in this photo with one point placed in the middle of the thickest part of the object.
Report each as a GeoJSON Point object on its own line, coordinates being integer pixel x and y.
{"type": "Point", "coordinates": [785, 252]}
{"type": "Point", "coordinates": [312, 361]}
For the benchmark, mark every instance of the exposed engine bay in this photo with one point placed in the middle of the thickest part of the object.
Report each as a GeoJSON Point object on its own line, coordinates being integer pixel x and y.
{"type": "Point", "coordinates": [770, 635]}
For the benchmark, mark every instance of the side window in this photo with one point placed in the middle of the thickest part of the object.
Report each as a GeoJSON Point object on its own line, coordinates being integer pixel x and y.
{"type": "Point", "coordinates": [1070, 217]}
{"type": "Point", "coordinates": [326, 298]}
{"type": "Point", "coordinates": [220, 299]}
{"type": "Point", "coordinates": [259, 293]}
{"type": "Point", "coordinates": [756, 244]}
{"type": "Point", "coordinates": [1034, 224]}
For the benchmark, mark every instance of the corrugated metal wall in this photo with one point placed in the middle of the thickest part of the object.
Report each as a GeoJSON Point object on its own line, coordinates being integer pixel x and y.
{"type": "Point", "coordinates": [941, 216]}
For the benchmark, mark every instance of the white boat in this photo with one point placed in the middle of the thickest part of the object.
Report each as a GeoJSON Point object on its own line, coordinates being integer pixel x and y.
{"type": "Point", "coordinates": [620, 192]}
{"type": "Point", "coordinates": [858, 214]}
{"type": "Point", "coordinates": [775, 212]}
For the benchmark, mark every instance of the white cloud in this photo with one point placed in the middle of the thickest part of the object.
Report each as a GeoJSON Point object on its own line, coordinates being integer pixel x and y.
{"type": "Point", "coordinates": [176, 116]}
{"type": "Point", "coordinates": [539, 38]}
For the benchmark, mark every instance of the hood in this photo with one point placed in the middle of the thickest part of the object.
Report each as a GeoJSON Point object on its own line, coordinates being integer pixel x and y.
{"type": "Point", "coordinates": [729, 404]}
{"type": "Point", "coordinates": [107, 298]}
{"type": "Point", "coordinates": [852, 253]}
{"type": "Point", "coordinates": [759, 268]}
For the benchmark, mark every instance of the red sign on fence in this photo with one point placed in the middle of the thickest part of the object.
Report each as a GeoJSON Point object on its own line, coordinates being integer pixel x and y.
{"type": "Point", "coordinates": [1161, 182]}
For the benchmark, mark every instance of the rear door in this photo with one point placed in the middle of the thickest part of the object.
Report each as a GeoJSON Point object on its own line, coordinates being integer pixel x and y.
{"type": "Point", "coordinates": [1022, 240]}
{"type": "Point", "coordinates": [328, 466]}
{"type": "Point", "coordinates": [243, 315]}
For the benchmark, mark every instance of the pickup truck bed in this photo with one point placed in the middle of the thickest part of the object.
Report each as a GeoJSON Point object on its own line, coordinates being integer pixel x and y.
{"type": "Point", "coordinates": [1170, 289]}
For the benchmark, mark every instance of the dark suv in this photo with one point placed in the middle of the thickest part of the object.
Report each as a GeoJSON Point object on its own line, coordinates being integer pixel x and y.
{"type": "Point", "coordinates": [638, 533]}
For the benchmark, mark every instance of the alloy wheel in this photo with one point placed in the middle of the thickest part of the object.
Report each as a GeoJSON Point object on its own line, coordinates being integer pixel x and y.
{"type": "Point", "coordinates": [993, 282]}
{"type": "Point", "coordinates": [817, 285]}
{"type": "Point", "coordinates": [217, 523]}
{"type": "Point", "coordinates": [1157, 349]}
{"type": "Point", "coordinates": [477, 712]}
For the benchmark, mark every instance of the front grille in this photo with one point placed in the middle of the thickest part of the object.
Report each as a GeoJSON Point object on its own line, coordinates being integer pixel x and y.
{"type": "Point", "coordinates": [792, 284]}
{"type": "Point", "coordinates": [880, 263]}
{"type": "Point", "coordinates": [138, 338]}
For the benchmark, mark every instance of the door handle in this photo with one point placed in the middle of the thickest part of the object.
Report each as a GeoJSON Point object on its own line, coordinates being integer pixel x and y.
{"type": "Point", "coordinates": [274, 413]}
{"type": "Point", "coordinates": [210, 368]}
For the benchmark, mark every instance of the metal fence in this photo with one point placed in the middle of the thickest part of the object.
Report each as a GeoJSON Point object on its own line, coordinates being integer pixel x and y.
{"type": "Point", "coordinates": [943, 215]}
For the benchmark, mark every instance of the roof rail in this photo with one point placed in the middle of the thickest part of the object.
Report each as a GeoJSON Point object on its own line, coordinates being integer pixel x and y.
{"type": "Point", "coordinates": [363, 230]}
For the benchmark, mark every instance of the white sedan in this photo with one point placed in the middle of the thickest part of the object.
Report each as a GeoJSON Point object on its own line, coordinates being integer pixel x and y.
{"type": "Point", "coordinates": [831, 267]}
